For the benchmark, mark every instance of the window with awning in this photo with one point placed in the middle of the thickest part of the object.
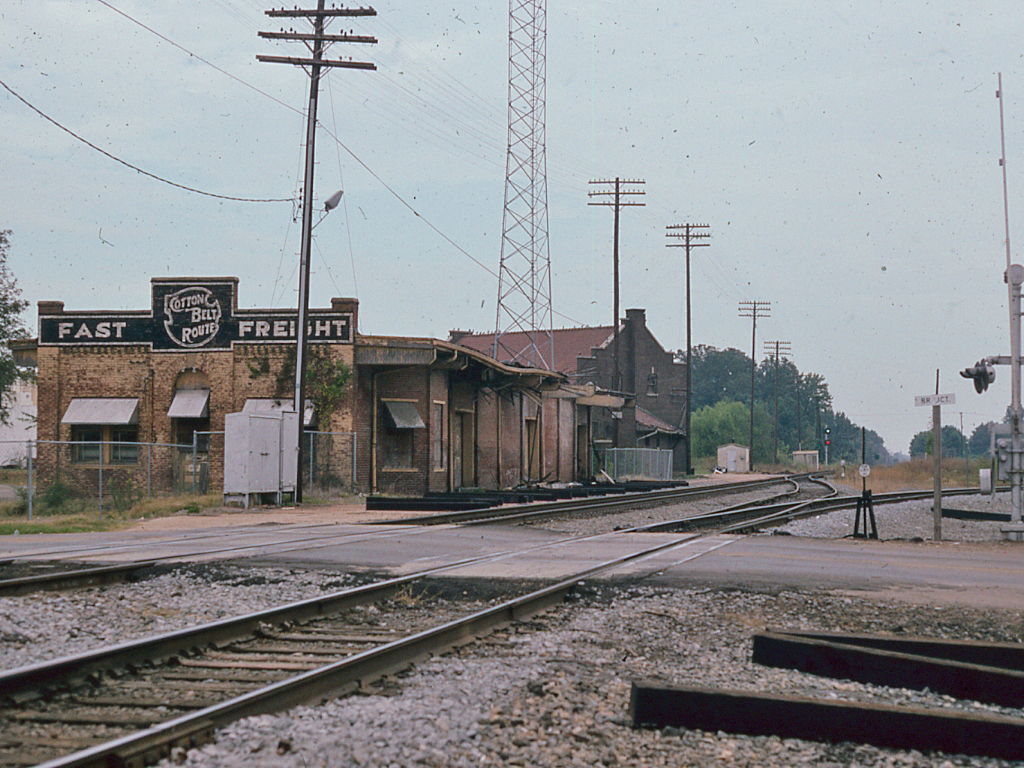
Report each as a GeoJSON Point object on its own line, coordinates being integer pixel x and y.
{"type": "Point", "coordinates": [103, 429]}
{"type": "Point", "coordinates": [190, 404]}
{"type": "Point", "coordinates": [102, 410]}
{"type": "Point", "coordinates": [404, 415]}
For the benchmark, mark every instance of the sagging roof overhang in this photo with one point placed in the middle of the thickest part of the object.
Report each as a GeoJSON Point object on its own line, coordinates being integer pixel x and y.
{"type": "Point", "coordinates": [392, 351]}
{"type": "Point", "coordinates": [590, 394]}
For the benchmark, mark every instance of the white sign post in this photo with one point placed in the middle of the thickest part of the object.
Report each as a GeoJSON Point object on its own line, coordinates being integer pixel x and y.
{"type": "Point", "coordinates": [936, 402]}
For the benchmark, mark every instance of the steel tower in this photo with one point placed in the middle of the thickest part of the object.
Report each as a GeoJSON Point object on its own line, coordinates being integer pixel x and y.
{"type": "Point", "coordinates": [524, 276]}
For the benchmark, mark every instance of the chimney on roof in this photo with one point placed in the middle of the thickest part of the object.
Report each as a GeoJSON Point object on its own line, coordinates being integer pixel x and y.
{"type": "Point", "coordinates": [636, 316]}
{"type": "Point", "coordinates": [454, 337]}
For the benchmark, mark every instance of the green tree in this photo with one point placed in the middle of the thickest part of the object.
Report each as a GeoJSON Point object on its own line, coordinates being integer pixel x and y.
{"type": "Point", "coordinates": [11, 327]}
{"type": "Point", "coordinates": [953, 442]}
{"type": "Point", "coordinates": [979, 442]}
{"type": "Point", "coordinates": [718, 374]}
{"type": "Point", "coordinates": [846, 443]}
{"type": "Point", "coordinates": [729, 422]}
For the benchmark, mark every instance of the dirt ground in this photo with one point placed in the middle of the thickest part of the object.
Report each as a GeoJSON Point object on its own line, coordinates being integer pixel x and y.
{"type": "Point", "coordinates": [351, 511]}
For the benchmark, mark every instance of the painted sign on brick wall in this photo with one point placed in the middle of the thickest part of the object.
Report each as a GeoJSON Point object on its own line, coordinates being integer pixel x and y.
{"type": "Point", "coordinates": [192, 315]}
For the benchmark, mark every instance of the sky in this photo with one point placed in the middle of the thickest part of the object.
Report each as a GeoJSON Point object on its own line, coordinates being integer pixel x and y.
{"type": "Point", "coordinates": [845, 156]}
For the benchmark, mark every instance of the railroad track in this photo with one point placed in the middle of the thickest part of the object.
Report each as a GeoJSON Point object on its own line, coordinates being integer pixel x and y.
{"type": "Point", "coordinates": [319, 536]}
{"type": "Point", "coordinates": [175, 689]}
{"type": "Point", "coordinates": [776, 510]}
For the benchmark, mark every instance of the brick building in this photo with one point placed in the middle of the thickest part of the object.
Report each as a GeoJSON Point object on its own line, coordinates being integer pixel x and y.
{"type": "Point", "coordinates": [417, 415]}
{"type": "Point", "coordinates": [651, 383]}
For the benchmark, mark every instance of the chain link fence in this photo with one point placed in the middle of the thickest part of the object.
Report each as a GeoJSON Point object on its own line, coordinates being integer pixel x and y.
{"type": "Point", "coordinates": [328, 463]}
{"type": "Point", "coordinates": [637, 463]}
{"type": "Point", "coordinates": [117, 474]}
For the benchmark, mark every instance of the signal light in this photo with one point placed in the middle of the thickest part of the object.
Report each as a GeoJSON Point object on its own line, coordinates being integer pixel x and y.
{"type": "Point", "coordinates": [982, 373]}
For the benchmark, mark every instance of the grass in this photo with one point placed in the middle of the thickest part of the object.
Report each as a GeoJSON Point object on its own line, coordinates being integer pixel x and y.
{"type": "Point", "coordinates": [916, 474]}
{"type": "Point", "coordinates": [79, 515]}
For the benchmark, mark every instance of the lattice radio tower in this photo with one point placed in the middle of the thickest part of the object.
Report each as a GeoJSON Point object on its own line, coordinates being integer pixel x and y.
{"type": "Point", "coordinates": [524, 276]}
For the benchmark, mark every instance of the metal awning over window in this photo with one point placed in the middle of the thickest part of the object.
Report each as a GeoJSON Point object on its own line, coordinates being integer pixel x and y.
{"type": "Point", "coordinates": [190, 404]}
{"type": "Point", "coordinates": [256, 404]}
{"type": "Point", "coordinates": [102, 410]}
{"type": "Point", "coordinates": [404, 415]}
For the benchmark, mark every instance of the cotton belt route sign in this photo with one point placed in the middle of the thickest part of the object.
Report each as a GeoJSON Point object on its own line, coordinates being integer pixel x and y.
{"type": "Point", "coordinates": [934, 399]}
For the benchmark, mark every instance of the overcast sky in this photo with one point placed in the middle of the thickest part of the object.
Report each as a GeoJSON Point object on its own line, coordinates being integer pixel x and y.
{"type": "Point", "coordinates": [845, 156]}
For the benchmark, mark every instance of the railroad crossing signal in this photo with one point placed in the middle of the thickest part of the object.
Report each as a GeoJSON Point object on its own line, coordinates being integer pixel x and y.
{"type": "Point", "coordinates": [983, 374]}
{"type": "Point", "coordinates": [828, 436]}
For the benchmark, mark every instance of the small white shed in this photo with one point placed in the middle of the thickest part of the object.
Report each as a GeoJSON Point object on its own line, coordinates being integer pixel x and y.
{"type": "Point", "coordinates": [807, 459]}
{"type": "Point", "coordinates": [734, 457]}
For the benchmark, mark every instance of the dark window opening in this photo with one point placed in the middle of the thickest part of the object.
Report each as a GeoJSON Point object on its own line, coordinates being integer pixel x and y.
{"type": "Point", "coordinates": [114, 444]}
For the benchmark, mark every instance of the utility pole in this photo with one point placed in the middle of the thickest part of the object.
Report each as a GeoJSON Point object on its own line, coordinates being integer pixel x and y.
{"type": "Point", "coordinates": [616, 197]}
{"type": "Point", "coordinates": [753, 310]}
{"type": "Point", "coordinates": [315, 43]}
{"type": "Point", "coordinates": [777, 348]}
{"type": "Point", "coordinates": [799, 429]}
{"type": "Point", "coordinates": [691, 235]}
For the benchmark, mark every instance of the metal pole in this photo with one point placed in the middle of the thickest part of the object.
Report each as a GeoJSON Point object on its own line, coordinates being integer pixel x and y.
{"type": "Point", "coordinates": [1015, 276]}
{"type": "Point", "coordinates": [967, 466]}
{"type": "Point", "coordinates": [101, 478]}
{"type": "Point", "coordinates": [28, 490]}
{"type": "Point", "coordinates": [354, 461]}
{"type": "Point", "coordinates": [149, 470]}
{"type": "Point", "coordinates": [937, 470]}
{"type": "Point", "coordinates": [310, 459]}
{"type": "Point", "coordinates": [195, 459]}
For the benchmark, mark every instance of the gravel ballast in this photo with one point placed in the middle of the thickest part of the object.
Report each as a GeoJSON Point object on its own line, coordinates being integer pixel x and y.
{"type": "Point", "coordinates": [548, 692]}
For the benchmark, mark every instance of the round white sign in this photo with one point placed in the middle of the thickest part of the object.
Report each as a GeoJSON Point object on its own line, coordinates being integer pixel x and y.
{"type": "Point", "coordinates": [864, 470]}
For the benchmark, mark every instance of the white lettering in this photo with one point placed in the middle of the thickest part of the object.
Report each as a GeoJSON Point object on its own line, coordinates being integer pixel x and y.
{"type": "Point", "coordinates": [102, 330]}
{"type": "Point", "coordinates": [339, 328]}
{"type": "Point", "coordinates": [189, 335]}
{"type": "Point", "coordinates": [323, 328]}
{"type": "Point", "coordinates": [63, 329]}
{"type": "Point", "coordinates": [118, 327]}
{"type": "Point", "coordinates": [244, 327]}
{"type": "Point", "coordinates": [262, 328]}
{"type": "Point", "coordinates": [281, 328]}
{"type": "Point", "coordinates": [83, 331]}
{"type": "Point", "coordinates": [199, 314]}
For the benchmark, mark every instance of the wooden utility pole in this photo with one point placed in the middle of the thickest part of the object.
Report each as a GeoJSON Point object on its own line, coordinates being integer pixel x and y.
{"type": "Point", "coordinates": [777, 348]}
{"type": "Point", "coordinates": [690, 234]}
{"type": "Point", "coordinates": [616, 197]}
{"type": "Point", "coordinates": [753, 310]}
{"type": "Point", "coordinates": [316, 63]}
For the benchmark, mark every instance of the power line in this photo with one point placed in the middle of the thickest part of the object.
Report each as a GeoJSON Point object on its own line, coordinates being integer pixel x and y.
{"type": "Point", "coordinates": [320, 125]}
{"type": "Point", "coordinates": [135, 167]}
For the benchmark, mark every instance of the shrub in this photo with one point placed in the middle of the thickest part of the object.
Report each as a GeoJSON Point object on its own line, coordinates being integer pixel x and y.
{"type": "Point", "coordinates": [56, 494]}
{"type": "Point", "coordinates": [123, 494]}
